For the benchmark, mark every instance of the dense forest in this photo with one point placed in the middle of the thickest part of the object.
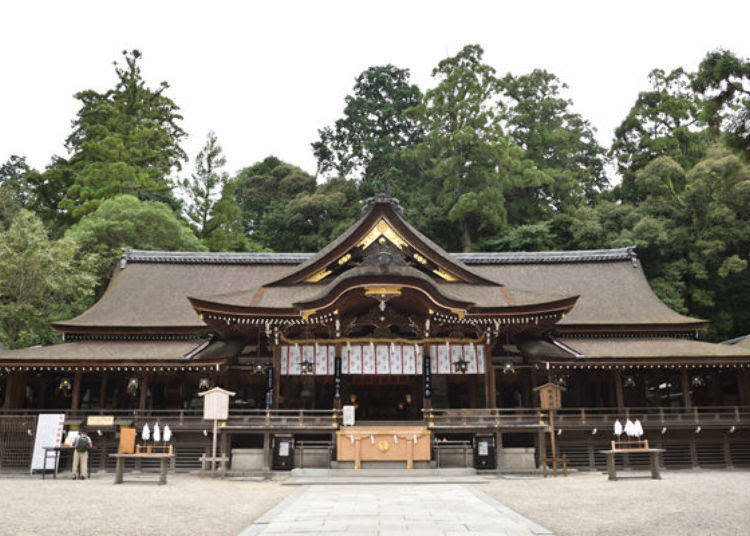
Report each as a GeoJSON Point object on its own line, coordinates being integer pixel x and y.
{"type": "Point", "coordinates": [480, 161]}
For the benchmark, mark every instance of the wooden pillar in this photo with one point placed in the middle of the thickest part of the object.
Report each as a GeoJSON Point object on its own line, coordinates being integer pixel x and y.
{"type": "Point", "coordinates": [743, 387]}
{"type": "Point", "coordinates": [267, 451]}
{"type": "Point", "coordinates": [12, 382]}
{"type": "Point", "coordinates": [527, 395]}
{"type": "Point", "coordinates": [619, 396]}
{"type": "Point", "coordinates": [103, 391]}
{"type": "Point", "coordinates": [489, 379]}
{"type": "Point", "coordinates": [427, 377]}
{"type": "Point", "coordinates": [541, 446]}
{"type": "Point", "coordinates": [717, 397]}
{"type": "Point", "coordinates": [337, 377]}
{"type": "Point", "coordinates": [76, 396]}
{"type": "Point", "coordinates": [43, 382]}
{"type": "Point", "coordinates": [143, 393]}
{"type": "Point", "coordinates": [688, 403]}
{"type": "Point", "coordinates": [276, 375]}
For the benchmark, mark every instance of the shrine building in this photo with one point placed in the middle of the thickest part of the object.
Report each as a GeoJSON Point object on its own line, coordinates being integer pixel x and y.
{"type": "Point", "coordinates": [412, 337]}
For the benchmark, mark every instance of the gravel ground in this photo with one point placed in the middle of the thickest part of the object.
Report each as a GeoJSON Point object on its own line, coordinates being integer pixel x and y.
{"type": "Point", "coordinates": [682, 503]}
{"type": "Point", "coordinates": [186, 505]}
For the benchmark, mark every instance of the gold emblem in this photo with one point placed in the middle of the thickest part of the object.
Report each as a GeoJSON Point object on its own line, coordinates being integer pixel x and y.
{"type": "Point", "coordinates": [383, 446]}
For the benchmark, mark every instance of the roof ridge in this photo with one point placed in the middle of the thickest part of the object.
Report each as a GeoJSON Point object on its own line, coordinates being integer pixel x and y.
{"type": "Point", "coordinates": [475, 258]}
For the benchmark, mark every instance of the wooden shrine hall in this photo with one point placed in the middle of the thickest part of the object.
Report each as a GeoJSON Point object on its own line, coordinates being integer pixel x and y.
{"type": "Point", "coordinates": [412, 337]}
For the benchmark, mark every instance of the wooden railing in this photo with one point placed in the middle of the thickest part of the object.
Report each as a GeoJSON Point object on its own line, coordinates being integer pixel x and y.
{"type": "Point", "coordinates": [193, 418]}
{"type": "Point", "coordinates": [585, 418]}
{"type": "Point", "coordinates": [320, 419]}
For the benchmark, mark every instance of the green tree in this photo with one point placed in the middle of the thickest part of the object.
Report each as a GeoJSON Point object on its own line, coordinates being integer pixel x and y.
{"type": "Point", "coordinates": [125, 140]}
{"type": "Point", "coordinates": [41, 280]}
{"type": "Point", "coordinates": [692, 231]}
{"type": "Point", "coordinates": [310, 220]}
{"type": "Point", "coordinates": [264, 184]}
{"type": "Point", "coordinates": [15, 192]}
{"type": "Point", "coordinates": [375, 126]}
{"type": "Point", "coordinates": [468, 162]}
{"type": "Point", "coordinates": [125, 222]}
{"type": "Point", "coordinates": [559, 141]}
{"type": "Point", "coordinates": [723, 80]}
{"type": "Point", "coordinates": [224, 230]}
{"type": "Point", "coordinates": [203, 187]}
{"type": "Point", "coordinates": [664, 121]}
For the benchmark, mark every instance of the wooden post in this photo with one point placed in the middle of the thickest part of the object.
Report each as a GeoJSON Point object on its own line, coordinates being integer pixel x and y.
{"type": "Point", "coordinates": [276, 375]}
{"type": "Point", "coordinates": [337, 378]}
{"type": "Point", "coordinates": [267, 451]}
{"type": "Point", "coordinates": [688, 403]}
{"type": "Point", "coordinates": [103, 391]}
{"type": "Point", "coordinates": [743, 386]}
{"type": "Point", "coordinates": [619, 396]}
{"type": "Point", "coordinates": [489, 379]}
{"type": "Point", "coordinates": [427, 376]}
{"type": "Point", "coordinates": [144, 390]}
{"type": "Point", "coordinates": [76, 396]}
{"type": "Point", "coordinates": [43, 392]}
{"type": "Point", "coordinates": [10, 386]}
{"type": "Point", "coordinates": [213, 447]}
{"type": "Point", "coordinates": [552, 442]}
{"type": "Point", "coordinates": [541, 440]}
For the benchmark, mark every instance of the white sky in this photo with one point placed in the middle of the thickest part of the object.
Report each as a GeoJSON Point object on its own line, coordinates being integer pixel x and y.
{"type": "Point", "coordinates": [266, 77]}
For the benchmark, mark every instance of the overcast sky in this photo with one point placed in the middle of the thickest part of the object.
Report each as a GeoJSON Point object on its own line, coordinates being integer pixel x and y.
{"type": "Point", "coordinates": [266, 77]}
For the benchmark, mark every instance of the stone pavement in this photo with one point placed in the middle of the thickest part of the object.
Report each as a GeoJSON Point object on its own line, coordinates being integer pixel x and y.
{"type": "Point", "coordinates": [392, 509]}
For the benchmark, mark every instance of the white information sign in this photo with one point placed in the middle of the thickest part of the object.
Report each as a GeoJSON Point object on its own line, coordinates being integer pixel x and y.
{"type": "Point", "coordinates": [49, 431]}
{"type": "Point", "coordinates": [216, 404]}
{"type": "Point", "coordinates": [348, 416]}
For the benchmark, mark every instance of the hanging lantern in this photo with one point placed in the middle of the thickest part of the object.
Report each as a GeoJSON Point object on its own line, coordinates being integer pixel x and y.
{"type": "Point", "coordinates": [508, 367]}
{"type": "Point", "coordinates": [461, 366]}
{"type": "Point", "coordinates": [697, 381]}
{"type": "Point", "coordinates": [132, 387]}
{"type": "Point", "coordinates": [629, 381]}
{"type": "Point", "coordinates": [204, 383]}
{"type": "Point", "coordinates": [65, 387]}
{"type": "Point", "coordinates": [306, 367]}
{"type": "Point", "coordinates": [258, 368]}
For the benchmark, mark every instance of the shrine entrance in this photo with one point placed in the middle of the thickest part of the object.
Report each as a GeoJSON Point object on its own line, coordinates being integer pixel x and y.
{"type": "Point", "coordinates": [384, 398]}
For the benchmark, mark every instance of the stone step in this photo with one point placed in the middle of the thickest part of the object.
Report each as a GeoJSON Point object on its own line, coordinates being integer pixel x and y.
{"type": "Point", "coordinates": [380, 480]}
{"type": "Point", "coordinates": [383, 472]}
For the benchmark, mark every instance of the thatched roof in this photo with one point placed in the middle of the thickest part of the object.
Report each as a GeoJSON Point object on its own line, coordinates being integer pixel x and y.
{"type": "Point", "coordinates": [152, 288]}
{"type": "Point", "coordinates": [105, 351]}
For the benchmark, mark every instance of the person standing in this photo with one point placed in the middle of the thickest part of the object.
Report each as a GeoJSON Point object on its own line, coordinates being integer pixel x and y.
{"type": "Point", "coordinates": [82, 446]}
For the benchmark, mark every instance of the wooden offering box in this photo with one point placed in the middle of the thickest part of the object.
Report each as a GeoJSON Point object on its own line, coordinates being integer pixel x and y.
{"type": "Point", "coordinates": [145, 450]}
{"type": "Point", "coordinates": [383, 444]}
{"type": "Point", "coordinates": [630, 446]}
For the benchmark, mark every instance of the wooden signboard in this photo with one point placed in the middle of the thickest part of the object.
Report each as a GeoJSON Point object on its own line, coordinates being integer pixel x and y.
{"type": "Point", "coordinates": [215, 408]}
{"type": "Point", "coordinates": [216, 404]}
{"type": "Point", "coordinates": [127, 441]}
{"type": "Point", "coordinates": [550, 395]}
{"type": "Point", "coordinates": [100, 421]}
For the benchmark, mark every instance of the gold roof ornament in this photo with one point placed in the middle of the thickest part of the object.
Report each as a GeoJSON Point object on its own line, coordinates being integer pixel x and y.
{"type": "Point", "coordinates": [382, 229]}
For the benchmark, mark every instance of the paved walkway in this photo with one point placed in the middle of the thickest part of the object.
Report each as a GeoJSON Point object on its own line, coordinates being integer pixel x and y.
{"type": "Point", "coordinates": [395, 509]}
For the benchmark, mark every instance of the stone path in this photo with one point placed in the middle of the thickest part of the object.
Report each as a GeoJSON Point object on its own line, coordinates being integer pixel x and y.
{"type": "Point", "coordinates": [395, 509]}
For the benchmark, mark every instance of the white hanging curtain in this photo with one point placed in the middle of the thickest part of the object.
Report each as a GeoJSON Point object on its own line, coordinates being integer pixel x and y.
{"type": "Point", "coordinates": [382, 358]}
